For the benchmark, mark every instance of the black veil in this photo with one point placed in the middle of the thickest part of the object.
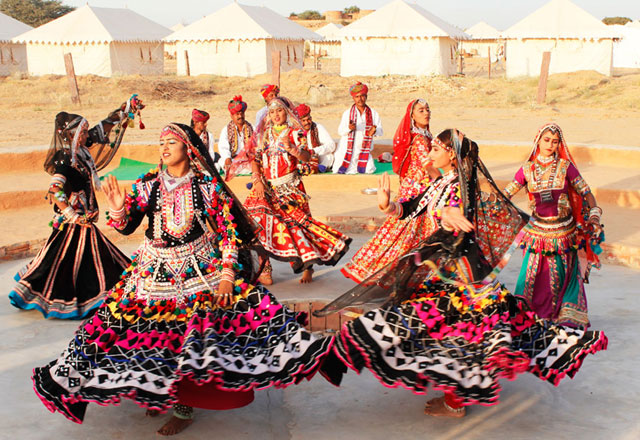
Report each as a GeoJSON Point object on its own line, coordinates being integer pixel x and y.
{"type": "Point", "coordinates": [462, 258]}
{"type": "Point", "coordinates": [247, 228]}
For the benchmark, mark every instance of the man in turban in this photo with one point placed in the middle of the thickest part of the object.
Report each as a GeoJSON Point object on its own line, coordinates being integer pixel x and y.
{"type": "Point", "coordinates": [268, 92]}
{"type": "Point", "coordinates": [318, 139]}
{"type": "Point", "coordinates": [199, 119]}
{"type": "Point", "coordinates": [235, 135]}
{"type": "Point", "coordinates": [357, 128]}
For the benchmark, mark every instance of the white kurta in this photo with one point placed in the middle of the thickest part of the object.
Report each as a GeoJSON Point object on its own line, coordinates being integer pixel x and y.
{"type": "Point", "coordinates": [326, 148]}
{"type": "Point", "coordinates": [261, 114]}
{"type": "Point", "coordinates": [224, 148]}
{"type": "Point", "coordinates": [343, 131]}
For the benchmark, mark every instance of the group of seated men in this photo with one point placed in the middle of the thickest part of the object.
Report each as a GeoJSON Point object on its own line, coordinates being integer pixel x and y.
{"type": "Point", "coordinates": [358, 126]}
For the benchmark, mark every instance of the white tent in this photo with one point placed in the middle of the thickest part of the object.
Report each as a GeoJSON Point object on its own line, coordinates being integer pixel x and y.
{"type": "Point", "coordinates": [626, 50]}
{"type": "Point", "coordinates": [576, 39]}
{"type": "Point", "coordinates": [399, 38]}
{"type": "Point", "coordinates": [634, 23]}
{"type": "Point", "coordinates": [329, 46]}
{"type": "Point", "coordinates": [102, 41]}
{"type": "Point", "coordinates": [482, 38]}
{"type": "Point", "coordinates": [13, 56]}
{"type": "Point", "coordinates": [238, 40]}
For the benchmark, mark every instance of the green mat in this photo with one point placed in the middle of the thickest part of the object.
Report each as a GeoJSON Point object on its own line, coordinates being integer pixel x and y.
{"type": "Point", "coordinates": [130, 169]}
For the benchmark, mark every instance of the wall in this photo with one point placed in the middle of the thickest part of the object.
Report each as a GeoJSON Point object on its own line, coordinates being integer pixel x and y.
{"type": "Point", "coordinates": [571, 55]}
{"type": "Point", "coordinates": [224, 58]}
{"type": "Point", "coordinates": [479, 47]}
{"type": "Point", "coordinates": [48, 59]}
{"type": "Point", "coordinates": [402, 56]}
{"type": "Point", "coordinates": [291, 53]}
{"type": "Point", "coordinates": [137, 58]}
{"type": "Point", "coordinates": [13, 58]}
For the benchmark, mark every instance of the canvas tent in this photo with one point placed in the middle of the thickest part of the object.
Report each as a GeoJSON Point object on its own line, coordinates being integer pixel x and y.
{"type": "Point", "coordinates": [576, 39]}
{"type": "Point", "coordinates": [626, 50]}
{"type": "Point", "coordinates": [13, 56]}
{"type": "Point", "coordinates": [102, 41]}
{"type": "Point", "coordinates": [399, 38]}
{"type": "Point", "coordinates": [483, 37]}
{"type": "Point", "coordinates": [238, 40]}
{"type": "Point", "coordinates": [329, 46]}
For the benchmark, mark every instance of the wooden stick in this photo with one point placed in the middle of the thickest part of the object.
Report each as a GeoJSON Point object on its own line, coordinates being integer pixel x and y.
{"type": "Point", "coordinates": [489, 56]}
{"type": "Point", "coordinates": [186, 61]}
{"type": "Point", "coordinates": [71, 76]}
{"type": "Point", "coordinates": [275, 68]}
{"type": "Point", "coordinates": [544, 76]}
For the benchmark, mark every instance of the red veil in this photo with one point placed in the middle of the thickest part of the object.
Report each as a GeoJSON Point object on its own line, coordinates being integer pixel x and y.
{"type": "Point", "coordinates": [403, 139]}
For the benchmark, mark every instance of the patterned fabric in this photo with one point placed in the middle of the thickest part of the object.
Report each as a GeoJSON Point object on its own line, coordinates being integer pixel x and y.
{"type": "Point", "coordinates": [550, 279]}
{"type": "Point", "coordinates": [462, 341]}
{"type": "Point", "coordinates": [358, 89]}
{"type": "Point", "coordinates": [367, 142]}
{"type": "Point", "coordinates": [233, 133]}
{"type": "Point", "coordinates": [160, 325]}
{"type": "Point", "coordinates": [404, 137]}
{"type": "Point", "coordinates": [70, 275]}
{"type": "Point", "coordinates": [288, 232]}
{"type": "Point", "coordinates": [237, 105]}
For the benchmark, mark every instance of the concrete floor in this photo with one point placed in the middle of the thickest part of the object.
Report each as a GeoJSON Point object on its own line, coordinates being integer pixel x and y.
{"type": "Point", "coordinates": [601, 402]}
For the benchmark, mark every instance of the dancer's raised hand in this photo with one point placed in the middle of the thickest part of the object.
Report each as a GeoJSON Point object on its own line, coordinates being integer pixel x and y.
{"type": "Point", "coordinates": [115, 194]}
{"type": "Point", "coordinates": [384, 191]}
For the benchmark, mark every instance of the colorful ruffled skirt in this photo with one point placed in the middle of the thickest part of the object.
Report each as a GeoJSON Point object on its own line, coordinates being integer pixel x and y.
{"type": "Point", "coordinates": [550, 279]}
{"type": "Point", "coordinates": [70, 275]}
{"type": "Point", "coordinates": [392, 240]}
{"type": "Point", "coordinates": [463, 342]}
{"type": "Point", "coordinates": [145, 345]}
{"type": "Point", "coordinates": [289, 233]}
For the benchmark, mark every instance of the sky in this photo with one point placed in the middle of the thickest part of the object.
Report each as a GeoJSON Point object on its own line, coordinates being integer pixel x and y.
{"type": "Point", "coordinates": [462, 13]}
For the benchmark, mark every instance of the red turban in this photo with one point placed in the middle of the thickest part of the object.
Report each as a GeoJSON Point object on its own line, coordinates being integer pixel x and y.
{"type": "Point", "coordinates": [199, 115]}
{"type": "Point", "coordinates": [237, 105]}
{"type": "Point", "coordinates": [358, 89]}
{"type": "Point", "coordinates": [268, 88]}
{"type": "Point", "coordinates": [303, 110]}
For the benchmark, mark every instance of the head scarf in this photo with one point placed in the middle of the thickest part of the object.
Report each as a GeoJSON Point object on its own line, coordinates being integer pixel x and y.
{"type": "Point", "coordinates": [496, 223]}
{"type": "Point", "coordinates": [405, 133]}
{"type": "Point", "coordinates": [303, 110]}
{"type": "Point", "coordinates": [199, 115]}
{"type": "Point", "coordinates": [66, 149]}
{"type": "Point", "coordinates": [358, 89]}
{"type": "Point", "coordinates": [268, 88]}
{"type": "Point", "coordinates": [237, 105]}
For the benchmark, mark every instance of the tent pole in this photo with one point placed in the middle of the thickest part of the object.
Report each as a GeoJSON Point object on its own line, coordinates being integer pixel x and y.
{"type": "Point", "coordinates": [71, 77]}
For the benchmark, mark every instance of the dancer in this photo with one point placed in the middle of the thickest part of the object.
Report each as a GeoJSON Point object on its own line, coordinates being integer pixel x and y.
{"type": "Point", "coordinates": [411, 145]}
{"type": "Point", "coordinates": [268, 92]}
{"type": "Point", "coordinates": [446, 322]}
{"type": "Point", "coordinates": [234, 136]}
{"type": "Point", "coordinates": [182, 326]}
{"type": "Point", "coordinates": [565, 221]}
{"type": "Point", "coordinates": [357, 128]}
{"type": "Point", "coordinates": [70, 275]}
{"type": "Point", "coordinates": [317, 138]}
{"type": "Point", "coordinates": [279, 202]}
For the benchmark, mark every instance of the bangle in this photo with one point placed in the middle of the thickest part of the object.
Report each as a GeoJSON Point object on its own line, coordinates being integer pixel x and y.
{"type": "Point", "coordinates": [69, 213]}
{"type": "Point", "coordinates": [595, 212]}
{"type": "Point", "coordinates": [228, 275]}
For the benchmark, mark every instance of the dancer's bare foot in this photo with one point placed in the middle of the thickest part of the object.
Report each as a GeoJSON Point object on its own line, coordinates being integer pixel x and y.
{"type": "Point", "coordinates": [307, 276]}
{"type": "Point", "coordinates": [174, 426]}
{"type": "Point", "coordinates": [265, 279]}
{"type": "Point", "coordinates": [437, 408]}
{"type": "Point", "coordinates": [152, 412]}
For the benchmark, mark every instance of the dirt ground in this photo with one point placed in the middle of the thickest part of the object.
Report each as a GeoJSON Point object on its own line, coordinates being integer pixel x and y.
{"type": "Point", "coordinates": [590, 107]}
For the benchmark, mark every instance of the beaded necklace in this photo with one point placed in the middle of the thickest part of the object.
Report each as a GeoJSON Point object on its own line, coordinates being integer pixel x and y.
{"type": "Point", "coordinates": [544, 186]}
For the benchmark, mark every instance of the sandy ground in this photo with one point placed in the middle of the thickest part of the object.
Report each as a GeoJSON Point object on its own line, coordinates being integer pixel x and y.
{"type": "Point", "coordinates": [591, 108]}
{"type": "Point", "coordinates": [601, 402]}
